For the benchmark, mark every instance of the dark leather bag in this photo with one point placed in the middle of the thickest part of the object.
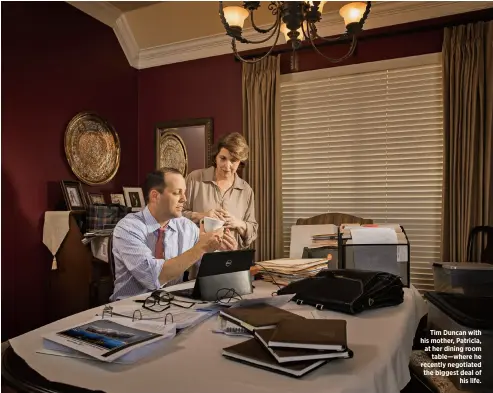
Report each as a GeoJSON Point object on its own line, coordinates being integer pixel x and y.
{"type": "Point", "coordinates": [349, 291]}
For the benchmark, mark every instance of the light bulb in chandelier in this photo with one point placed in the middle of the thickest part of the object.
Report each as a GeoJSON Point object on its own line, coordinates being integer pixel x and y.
{"type": "Point", "coordinates": [285, 31]}
{"type": "Point", "coordinates": [320, 5]}
{"type": "Point", "coordinates": [352, 14]}
{"type": "Point", "coordinates": [235, 16]}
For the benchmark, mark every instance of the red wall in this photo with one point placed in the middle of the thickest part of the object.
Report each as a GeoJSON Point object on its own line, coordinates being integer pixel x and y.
{"type": "Point", "coordinates": [56, 62]}
{"type": "Point", "coordinates": [201, 88]}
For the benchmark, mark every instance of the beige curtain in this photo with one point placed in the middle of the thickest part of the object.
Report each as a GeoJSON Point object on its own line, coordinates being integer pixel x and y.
{"type": "Point", "coordinates": [468, 111]}
{"type": "Point", "coordinates": [261, 128]}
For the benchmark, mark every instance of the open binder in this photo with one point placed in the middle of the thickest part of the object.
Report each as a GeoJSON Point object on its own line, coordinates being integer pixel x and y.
{"type": "Point", "coordinates": [108, 338]}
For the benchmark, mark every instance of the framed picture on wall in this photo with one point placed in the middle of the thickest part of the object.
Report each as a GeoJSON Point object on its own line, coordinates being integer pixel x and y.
{"type": "Point", "coordinates": [73, 195]}
{"type": "Point", "coordinates": [134, 197]}
{"type": "Point", "coordinates": [118, 198]}
{"type": "Point", "coordinates": [184, 144]}
{"type": "Point", "coordinates": [95, 198]}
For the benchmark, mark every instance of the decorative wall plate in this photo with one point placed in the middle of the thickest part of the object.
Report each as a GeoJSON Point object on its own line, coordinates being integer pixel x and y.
{"type": "Point", "coordinates": [171, 152]}
{"type": "Point", "coordinates": [92, 148]}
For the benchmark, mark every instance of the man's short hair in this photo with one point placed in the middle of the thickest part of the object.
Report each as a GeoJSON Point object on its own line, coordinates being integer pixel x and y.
{"type": "Point", "coordinates": [155, 180]}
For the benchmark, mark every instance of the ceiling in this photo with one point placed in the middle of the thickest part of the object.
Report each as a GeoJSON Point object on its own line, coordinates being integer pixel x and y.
{"type": "Point", "coordinates": [126, 6]}
{"type": "Point", "coordinates": [154, 33]}
{"type": "Point", "coordinates": [163, 23]}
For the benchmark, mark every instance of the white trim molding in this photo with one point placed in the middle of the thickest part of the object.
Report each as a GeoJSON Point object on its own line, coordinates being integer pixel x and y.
{"type": "Point", "coordinates": [127, 40]}
{"type": "Point", "coordinates": [353, 69]}
{"type": "Point", "coordinates": [383, 13]}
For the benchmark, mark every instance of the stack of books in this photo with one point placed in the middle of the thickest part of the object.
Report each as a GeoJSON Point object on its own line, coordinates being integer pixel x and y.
{"type": "Point", "coordinates": [285, 342]}
{"type": "Point", "coordinates": [285, 271]}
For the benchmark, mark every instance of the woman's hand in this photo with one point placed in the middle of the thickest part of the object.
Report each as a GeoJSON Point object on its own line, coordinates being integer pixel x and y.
{"type": "Point", "coordinates": [229, 242]}
{"type": "Point", "coordinates": [214, 213]}
{"type": "Point", "coordinates": [231, 222]}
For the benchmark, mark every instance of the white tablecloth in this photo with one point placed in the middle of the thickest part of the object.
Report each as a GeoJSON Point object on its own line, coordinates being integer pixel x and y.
{"type": "Point", "coordinates": [192, 362]}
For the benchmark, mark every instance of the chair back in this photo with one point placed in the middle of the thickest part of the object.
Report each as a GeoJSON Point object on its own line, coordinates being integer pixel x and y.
{"type": "Point", "coordinates": [333, 218]}
{"type": "Point", "coordinates": [111, 259]}
{"type": "Point", "coordinates": [486, 255]}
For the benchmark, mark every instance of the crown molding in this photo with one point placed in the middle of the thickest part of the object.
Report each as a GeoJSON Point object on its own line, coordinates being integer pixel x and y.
{"type": "Point", "coordinates": [385, 13]}
{"type": "Point", "coordinates": [127, 40]}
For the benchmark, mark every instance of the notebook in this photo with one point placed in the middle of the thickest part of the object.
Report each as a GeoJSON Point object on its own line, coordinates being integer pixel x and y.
{"type": "Point", "coordinates": [283, 355]}
{"type": "Point", "coordinates": [262, 316]}
{"type": "Point", "coordinates": [253, 353]}
{"type": "Point", "coordinates": [324, 334]}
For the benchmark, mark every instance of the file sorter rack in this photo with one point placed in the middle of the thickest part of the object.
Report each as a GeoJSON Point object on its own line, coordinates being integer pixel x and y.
{"type": "Point", "coordinates": [400, 266]}
{"type": "Point", "coordinates": [323, 251]}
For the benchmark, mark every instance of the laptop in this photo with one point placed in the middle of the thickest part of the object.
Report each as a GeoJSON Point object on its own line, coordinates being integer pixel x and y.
{"type": "Point", "coordinates": [219, 274]}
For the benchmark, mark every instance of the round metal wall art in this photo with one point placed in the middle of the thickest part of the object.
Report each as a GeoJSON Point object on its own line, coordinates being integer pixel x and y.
{"type": "Point", "coordinates": [172, 152]}
{"type": "Point", "coordinates": [92, 148]}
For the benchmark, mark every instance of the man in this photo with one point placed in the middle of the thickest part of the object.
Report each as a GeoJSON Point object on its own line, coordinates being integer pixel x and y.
{"type": "Point", "coordinates": [155, 246]}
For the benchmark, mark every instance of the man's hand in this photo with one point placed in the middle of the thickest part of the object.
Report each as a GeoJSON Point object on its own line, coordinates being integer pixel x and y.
{"type": "Point", "coordinates": [229, 242]}
{"type": "Point", "coordinates": [210, 242]}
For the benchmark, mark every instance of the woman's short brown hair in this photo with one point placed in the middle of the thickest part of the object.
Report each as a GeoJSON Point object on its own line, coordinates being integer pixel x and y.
{"type": "Point", "coordinates": [235, 143]}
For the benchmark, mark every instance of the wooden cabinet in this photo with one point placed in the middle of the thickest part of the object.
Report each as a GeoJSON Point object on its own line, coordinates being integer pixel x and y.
{"type": "Point", "coordinates": [80, 281]}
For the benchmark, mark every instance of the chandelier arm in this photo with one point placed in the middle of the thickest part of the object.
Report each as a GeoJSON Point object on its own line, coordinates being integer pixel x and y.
{"type": "Point", "coordinates": [275, 11]}
{"type": "Point", "coordinates": [252, 61]}
{"type": "Point", "coordinates": [346, 56]}
{"type": "Point", "coordinates": [239, 37]}
{"type": "Point", "coordinates": [365, 14]}
{"type": "Point", "coordinates": [278, 29]}
{"type": "Point", "coordinates": [314, 34]}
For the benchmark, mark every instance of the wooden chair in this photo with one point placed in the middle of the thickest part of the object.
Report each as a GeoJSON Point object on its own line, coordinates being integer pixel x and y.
{"type": "Point", "coordinates": [111, 259]}
{"type": "Point", "coordinates": [486, 255]}
{"type": "Point", "coordinates": [333, 218]}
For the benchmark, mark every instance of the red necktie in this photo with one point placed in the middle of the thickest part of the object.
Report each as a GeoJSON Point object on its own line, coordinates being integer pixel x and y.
{"type": "Point", "coordinates": [159, 252]}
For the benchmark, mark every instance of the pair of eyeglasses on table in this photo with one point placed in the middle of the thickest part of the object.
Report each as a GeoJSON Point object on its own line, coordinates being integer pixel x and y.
{"type": "Point", "coordinates": [160, 300]}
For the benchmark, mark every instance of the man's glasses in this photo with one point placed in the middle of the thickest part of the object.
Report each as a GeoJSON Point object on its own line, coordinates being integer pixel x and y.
{"type": "Point", "coordinates": [160, 300]}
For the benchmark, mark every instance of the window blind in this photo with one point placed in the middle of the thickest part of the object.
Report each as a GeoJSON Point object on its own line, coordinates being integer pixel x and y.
{"type": "Point", "coordinates": [368, 144]}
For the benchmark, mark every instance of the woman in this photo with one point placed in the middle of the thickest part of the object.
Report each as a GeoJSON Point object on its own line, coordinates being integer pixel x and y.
{"type": "Point", "coordinates": [219, 192]}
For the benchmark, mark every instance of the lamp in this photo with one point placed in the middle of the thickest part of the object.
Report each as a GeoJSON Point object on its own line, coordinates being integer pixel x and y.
{"type": "Point", "coordinates": [296, 20]}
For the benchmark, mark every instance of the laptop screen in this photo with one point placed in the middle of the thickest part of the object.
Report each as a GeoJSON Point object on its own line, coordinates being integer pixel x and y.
{"type": "Point", "coordinates": [221, 262]}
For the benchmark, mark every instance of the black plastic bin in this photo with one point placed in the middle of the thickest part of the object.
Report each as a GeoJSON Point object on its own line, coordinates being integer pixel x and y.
{"type": "Point", "coordinates": [461, 337]}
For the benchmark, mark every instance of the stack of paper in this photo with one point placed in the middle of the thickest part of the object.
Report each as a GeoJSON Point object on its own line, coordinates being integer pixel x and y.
{"type": "Point", "coordinates": [284, 271]}
{"type": "Point", "coordinates": [324, 240]}
{"type": "Point", "coordinates": [181, 317]}
{"type": "Point", "coordinates": [110, 339]}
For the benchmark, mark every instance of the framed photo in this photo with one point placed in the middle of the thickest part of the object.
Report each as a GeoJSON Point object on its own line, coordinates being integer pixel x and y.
{"type": "Point", "coordinates": [134, 197]}
{"type": "Point", "coordinates": [118, 198]}
{"type": "Point", "coordinates": [95, 199]}
{"type": "Point", "coordinates": [184, 144]}
{"type": "Point", "coordinates": [73, 194]}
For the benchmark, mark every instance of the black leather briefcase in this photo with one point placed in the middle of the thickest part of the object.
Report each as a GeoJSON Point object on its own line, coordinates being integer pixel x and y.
{"type": "Point", "coordinates": [349, 291]}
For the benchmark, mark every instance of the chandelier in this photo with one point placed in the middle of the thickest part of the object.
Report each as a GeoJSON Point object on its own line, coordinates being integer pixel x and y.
{"type": "Point", "coordinates": [296, 20]}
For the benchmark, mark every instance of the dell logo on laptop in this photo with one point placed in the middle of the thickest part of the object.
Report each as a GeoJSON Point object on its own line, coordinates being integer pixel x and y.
{"type": "Point", "coordinates": [229, 262]}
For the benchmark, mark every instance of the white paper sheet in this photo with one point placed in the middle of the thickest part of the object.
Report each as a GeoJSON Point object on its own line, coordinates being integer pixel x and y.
{"type": "Point", "coordinates": [301, 236]}
{"type": "Point", "coordinates": [370, 235]}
